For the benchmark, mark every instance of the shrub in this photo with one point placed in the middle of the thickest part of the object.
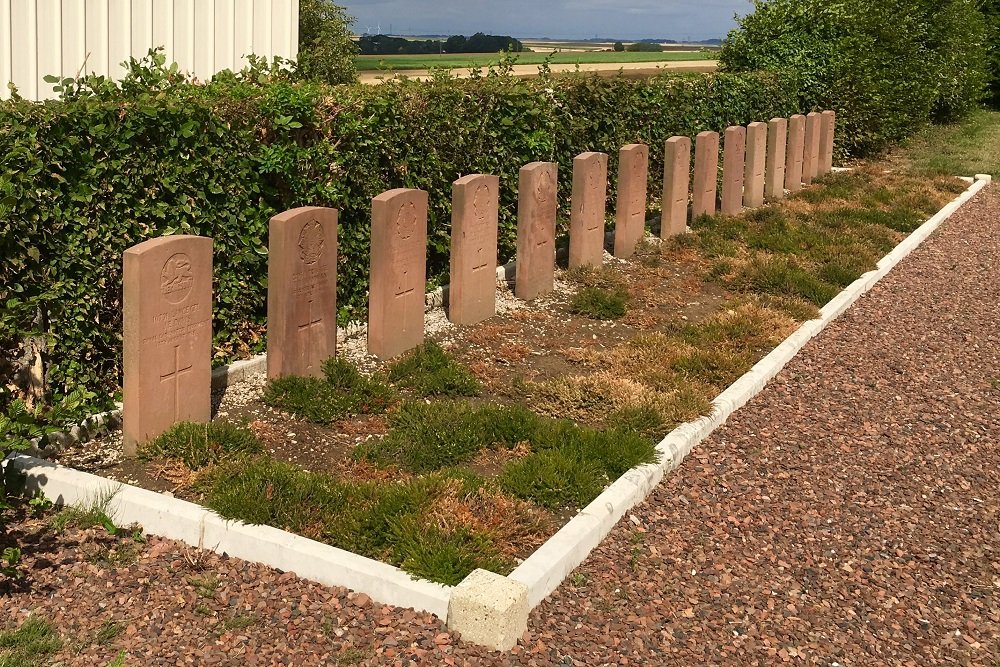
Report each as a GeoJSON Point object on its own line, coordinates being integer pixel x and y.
{"type": "Point", "coordinates": [886, 67]}
{"type": "Point", "coordinates": [109, 166]}
{"type": "Point", "coordinates": [326, 48]}
{"type": "Point", "coordinates": [991, 11]}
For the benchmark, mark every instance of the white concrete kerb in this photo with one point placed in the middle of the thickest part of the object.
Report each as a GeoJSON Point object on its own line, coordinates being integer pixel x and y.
{"type": "Point", "coordinates": [499, 610]}
{"type": "Point", "coordinates": [192, 524]}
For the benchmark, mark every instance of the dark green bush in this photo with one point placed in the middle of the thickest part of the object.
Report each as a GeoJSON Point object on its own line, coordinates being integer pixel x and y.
{"type": "Point", "coordinates": [885, 67]}
{"type": "Point", "coordinates": [991, 9]}
{"type": "Point", "coordinates": [84, 178]}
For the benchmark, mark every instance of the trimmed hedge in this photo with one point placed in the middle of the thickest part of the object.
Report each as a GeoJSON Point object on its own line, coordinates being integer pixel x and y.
{"type": "Point", "coordinates": [84, 178]}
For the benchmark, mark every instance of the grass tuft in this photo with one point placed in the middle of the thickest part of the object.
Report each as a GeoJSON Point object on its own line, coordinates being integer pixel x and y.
{"type": "Point", "coordinates": [29, 645]}
{"type": "Point", "coordinates": [342, 391]}
{"type": "Point", "coordinates": [446, 556]}
{"type": "Point", "coordinates": [428, 437]}
{"type": "Point", "coordinates": [554, 479]}
{"type": "Point", "coordinates": [431, 371]}
{"type": "Point", "coordinates": [94, 514]}
{"type": "Point", "coordinates": [385, 520]}
{"type": "Point", "coordinates": [201, 445]}
{"type": "Point", "coordinates": [780, 276]}
{"type": "Point", "coordinates": [424, 437]}
{"type": "Point", "coordinates": [600, 304]}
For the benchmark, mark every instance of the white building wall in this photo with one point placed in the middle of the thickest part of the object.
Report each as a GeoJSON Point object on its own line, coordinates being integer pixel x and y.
{"type": "Point", "coordinates": [69, 37]}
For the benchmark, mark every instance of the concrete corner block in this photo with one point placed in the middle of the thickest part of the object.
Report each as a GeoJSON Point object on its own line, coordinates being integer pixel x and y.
{"type": "Point", "coordinates": [489, 610]}
{"type": "Point", "coordinates": [984, 177]}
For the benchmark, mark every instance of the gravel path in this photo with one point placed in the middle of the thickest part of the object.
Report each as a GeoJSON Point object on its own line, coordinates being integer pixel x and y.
{"type": "Point", "coordinates": [849, 516]}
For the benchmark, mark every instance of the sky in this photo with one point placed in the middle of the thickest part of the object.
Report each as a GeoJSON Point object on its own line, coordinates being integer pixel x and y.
{"type": "Point", "coordinates": [559, 19]}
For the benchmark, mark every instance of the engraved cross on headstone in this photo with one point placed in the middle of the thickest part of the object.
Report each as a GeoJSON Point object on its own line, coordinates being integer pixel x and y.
{"type": "Point", "coordinates": [175, 377]}
{"type": "Point", "coordinates": [480, 259]}
{"type": "Point", "coordinates": [307, 328]}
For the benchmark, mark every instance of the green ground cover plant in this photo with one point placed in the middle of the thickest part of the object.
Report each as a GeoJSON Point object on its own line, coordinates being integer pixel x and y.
{"type": "Point", "coordinates": [200, 445]}
{"type": "Point", "coordinates": [111, 165]}
{"type": "Point", "coordinates": [341, 392]}
{"type": "Point", "coordinates": [823, 239]}
{"type": "Point", "coordinates": [430, 371]}
{"type": "Point", "coordinates": [599, 303]}
{"type": "Point", "coordinates": [440, 519]}
{"type": "Point", "coordinates": [782, 262]}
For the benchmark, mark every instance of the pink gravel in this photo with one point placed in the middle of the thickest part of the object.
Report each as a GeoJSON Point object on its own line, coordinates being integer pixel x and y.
{"type": "Point", "coordinates": [849, 515]}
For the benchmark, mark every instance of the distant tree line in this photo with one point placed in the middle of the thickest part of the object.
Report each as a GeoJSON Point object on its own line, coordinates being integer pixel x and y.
{"type": "Point", "coordinates": [383, 45]}
{"type": "Point", "coordinates": [644, 46]}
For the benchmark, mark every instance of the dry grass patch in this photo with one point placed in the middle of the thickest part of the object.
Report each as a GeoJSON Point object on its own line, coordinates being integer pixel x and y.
{"type": "Point", "coordinates": [516, 526]}
{"type": "Point", "coordinates": [813, 244]}
{"type": "Point", "coordinates": [675, 374]}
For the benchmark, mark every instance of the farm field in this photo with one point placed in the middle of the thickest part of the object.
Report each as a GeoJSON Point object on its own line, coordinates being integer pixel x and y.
{"type": "Point", "coordinates": [464, 60]}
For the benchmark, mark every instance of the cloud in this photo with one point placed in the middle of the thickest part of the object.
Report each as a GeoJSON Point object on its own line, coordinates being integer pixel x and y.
{"type": "Point", "coordinates": [621, 19]}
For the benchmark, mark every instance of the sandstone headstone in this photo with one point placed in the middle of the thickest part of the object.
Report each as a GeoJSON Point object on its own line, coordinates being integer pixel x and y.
{"type": "Point", "coordinates": [474, 217]}
{"type": "Point", "coordinates": [630, 223]}
{"type": "Point", "coordinates": [810, 159]}
{"type": "Point", "coordinates": [398, 272]}
{"type": "Point", "coordinates": [706, 174]}
{"type": "Point", "coordinates": [301, 291]}
{"type": "Point", "coordinates": [167, 312]}
{"type": "Point", "coordinates": [590, 193]}
{"type": "Point", "coordinates": [829, 129]}
{"type": "Point", "coordinates": [733, 167]}
{"type": "Point", "coordinates": [777, 138]}
{"type": "Point", "coordinates": [753, 176]}
{"type": "Point", "coordinates": [676, 180]}
{"type": "Point", "coordinates": [536, 230]}
{"type": "Point", "coordinates": [794, 157]}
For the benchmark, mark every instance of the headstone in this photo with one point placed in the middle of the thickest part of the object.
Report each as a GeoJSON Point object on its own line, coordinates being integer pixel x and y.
{"type": "Point", "coordinates": [796, 145]}
{"type": "Point", "coordinates": [167, 312]}
{"type": "Point", "coordinates": [633, 174]}
{"type": "Point", "coordinates": [706, 174]}
{"type": "Point", "coordinates": [474, 217]}
{"type": "Point", "coordinates": [301, 291]}
{"type": "Point", "coordinates": [398, 272]}
{"type": "Point", "coordinates": [810, 158]}
{"type": "Point", "coordinates": [829, 128]}
{"type": "Point", "coordinates": [590, 193]}
{"type": "Point", "coordinates": [777, 138]}
{"type": "Point", "coordinates": [733, 165]}
{"type": "Point", "coordinates": [536, 230]}
{"type": "Point", "coordinates": [753, 176]}
{"type": "Point", "coordinates": [676, 179]}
